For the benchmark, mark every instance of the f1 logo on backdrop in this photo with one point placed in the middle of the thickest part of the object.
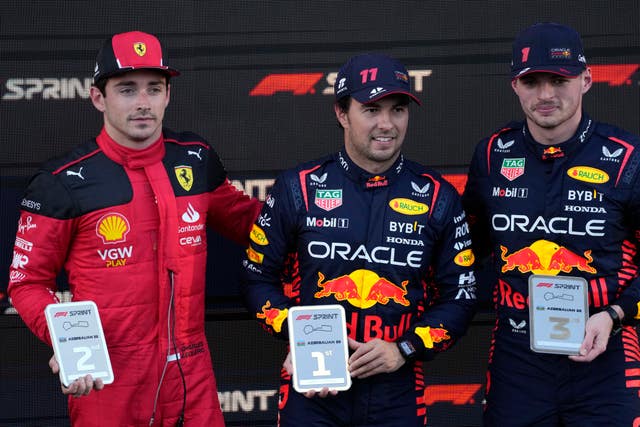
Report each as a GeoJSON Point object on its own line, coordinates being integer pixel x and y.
{"type": "Point", "coordinates": [305, 83]}
{"type": "Point", "coordinates": [613, 74]}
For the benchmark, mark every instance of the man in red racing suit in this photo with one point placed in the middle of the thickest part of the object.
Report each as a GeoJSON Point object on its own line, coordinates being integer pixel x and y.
{"type": "Point", "coordinates": [128, 225]}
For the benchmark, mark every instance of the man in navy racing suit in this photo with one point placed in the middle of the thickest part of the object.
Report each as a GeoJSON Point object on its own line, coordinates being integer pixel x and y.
{"type": "Point", "coordinates": [558, 195]}
{"type": "Point", "coordinates": [382, 236]}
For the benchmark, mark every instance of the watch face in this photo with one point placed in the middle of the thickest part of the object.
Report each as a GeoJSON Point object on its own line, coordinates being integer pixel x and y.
{"type": "Point", "coordinates": [406, 348]}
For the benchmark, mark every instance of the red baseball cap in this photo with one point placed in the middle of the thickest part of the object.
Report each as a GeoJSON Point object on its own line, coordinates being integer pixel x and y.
{"type": "Point", "coordinates": [130, 51]}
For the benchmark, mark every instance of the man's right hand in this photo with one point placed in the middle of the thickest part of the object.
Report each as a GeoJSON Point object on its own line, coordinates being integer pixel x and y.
{"type": "Point", "coordinates": [79, 387]}
{"type": "Point", "coordinates": [288, 366]}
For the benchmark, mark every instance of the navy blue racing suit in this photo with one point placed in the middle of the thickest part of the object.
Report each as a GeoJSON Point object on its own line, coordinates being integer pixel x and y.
{"type": "Point", "coordinates": [571, 209]}
{"type": "Point", "coordinates": [393, 249]}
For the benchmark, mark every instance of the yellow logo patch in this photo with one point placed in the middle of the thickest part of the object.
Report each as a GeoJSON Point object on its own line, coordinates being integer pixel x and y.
{"type": "Point", "coordinates": [185, 176]}
{"type": "Point", "coordinates": [140, 48]}
{"type": "Point", "coordinates": [258, 236]}
{"type": "Point", "coordinates": [408, 206]}
{"type": "Point", "coordinates": [464, 258]}
{"type": "Point", "coordinates": [113, 228]}
{"type": "Point", "coordinates": [588, 174]}
{"type": "Point", "coordinates": [431, 336]}
{"type": "Point", "coordinates": [254, 256]}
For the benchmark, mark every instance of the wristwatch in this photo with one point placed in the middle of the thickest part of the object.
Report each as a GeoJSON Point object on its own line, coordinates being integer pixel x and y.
{"type": "Point", "coordinates": [617, 323]}
{"type": "Point", "coordinates": [407, 350]}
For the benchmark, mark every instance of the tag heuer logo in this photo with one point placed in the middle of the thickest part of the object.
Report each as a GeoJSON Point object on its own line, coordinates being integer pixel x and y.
{"type": "Point", "coordinates": [328, 199]}
{"type": "Point", "coordinates": [512, 168]}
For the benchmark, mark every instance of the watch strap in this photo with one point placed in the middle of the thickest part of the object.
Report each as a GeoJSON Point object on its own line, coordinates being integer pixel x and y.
{"type": "Point", "coordinates": [617, 323]}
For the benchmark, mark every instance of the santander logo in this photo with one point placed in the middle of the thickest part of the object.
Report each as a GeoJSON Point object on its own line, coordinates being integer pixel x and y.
{"type": "Point", "coordinates": [191, 215]}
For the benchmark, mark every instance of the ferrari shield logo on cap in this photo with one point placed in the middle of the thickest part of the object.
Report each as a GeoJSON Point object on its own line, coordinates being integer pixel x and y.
{"type": "Point", "coordinates": [140, 48]}
{"type": "Point", "coordinates": [185, 176]}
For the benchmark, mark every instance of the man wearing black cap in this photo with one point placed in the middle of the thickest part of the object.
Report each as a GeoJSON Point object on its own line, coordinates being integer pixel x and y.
{"type": "Point", "coordinates": [382, 236]}
{"type": "Point", "coordinates": [555, 200]}
{"type": "Point", "coordinates": [125, 214]}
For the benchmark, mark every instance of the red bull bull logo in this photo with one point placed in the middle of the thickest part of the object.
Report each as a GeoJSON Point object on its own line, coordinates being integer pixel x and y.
{"type": "Point", "coordinates": [431, 336]}
{"type": "Point", "coordinates": [273, 317]}
{"type": "Point", "coordinates": [552, 153]}
{"type": "Point", "coordinates": [362, 289]}
{"type": "Point", "coordinates": [545, 257]}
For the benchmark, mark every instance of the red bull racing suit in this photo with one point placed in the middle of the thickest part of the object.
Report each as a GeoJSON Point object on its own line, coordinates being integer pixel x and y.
{"type": "Point", "coordinates": [570, 209]}
{"type": "Point", "coordinates": [129, 228]}
{"type": "Point", "coordinates": [393, 249]}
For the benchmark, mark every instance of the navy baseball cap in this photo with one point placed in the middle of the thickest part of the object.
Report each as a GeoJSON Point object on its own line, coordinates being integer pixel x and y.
{"type": "Point", "coordinates": [130, 51]}
{"type": "Point", "coordinates": [550, 48]}
{"type": "Point", "coordinates": [372, 76]}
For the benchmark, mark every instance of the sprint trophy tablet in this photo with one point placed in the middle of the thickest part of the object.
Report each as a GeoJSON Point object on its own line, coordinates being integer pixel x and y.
{"type": "Point", "coordinates": [558, 312]}
{"type": "Point", "coordinates": [319, 347]}
{"type": "Point", "coordinates": [78, 341]}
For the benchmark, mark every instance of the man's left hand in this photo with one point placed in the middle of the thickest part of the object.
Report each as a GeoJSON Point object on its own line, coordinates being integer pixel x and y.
{"type": "Point", "coordinates": [374, 357]}
{"type": "Point", "coordinates": [596, 337]}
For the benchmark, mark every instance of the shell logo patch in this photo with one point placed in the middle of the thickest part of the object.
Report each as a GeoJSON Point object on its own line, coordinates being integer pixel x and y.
{"type": "Point", "coordinates": [113, 228]}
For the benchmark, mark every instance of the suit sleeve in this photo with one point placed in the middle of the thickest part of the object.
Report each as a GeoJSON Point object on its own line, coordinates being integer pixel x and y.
{"type": "Point", "coordinates": [474, 205]}
{"type": "Point", "coordinates": [451, 285]}
{"type": "Point", "coordinates": [272, 241]}
{"type": "Point", "coordinates": [629, 299]}
{"type": "Point", "coordinates": [40, 249]}
{"type": "Point", "coordinates": [231, 211]}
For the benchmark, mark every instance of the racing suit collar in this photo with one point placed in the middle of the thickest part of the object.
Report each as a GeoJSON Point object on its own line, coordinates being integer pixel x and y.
{"type": "Point", "coordinates": [128, 157]}
{"type": "Point", "coordinates": [367, 180]}
{"type": "Point", "coordinates": [550, 152]}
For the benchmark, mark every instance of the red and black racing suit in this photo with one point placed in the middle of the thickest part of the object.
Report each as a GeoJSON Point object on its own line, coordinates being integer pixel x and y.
{"type": "Point", "coordinates": [392, 249]}
{"type": "Point", "coordinates": [129, 228]}
{"type": "Point", "coordinates": [569, 209]}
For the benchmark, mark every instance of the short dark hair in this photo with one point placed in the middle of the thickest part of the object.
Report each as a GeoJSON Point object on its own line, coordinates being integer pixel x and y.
{"type": "Point", "coordinates": [343, 104]}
